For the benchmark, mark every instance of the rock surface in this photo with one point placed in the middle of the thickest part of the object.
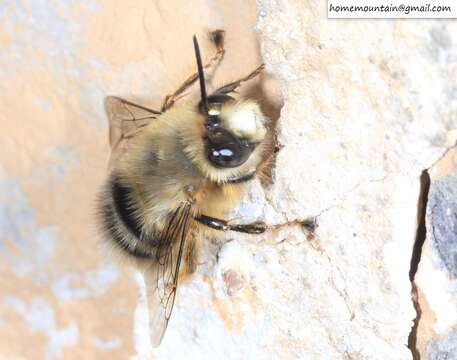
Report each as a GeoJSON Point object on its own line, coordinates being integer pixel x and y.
{"type": "Point", "coordinates": [368, 105]}
{"type": "Point", "coordinates": [436, 276]}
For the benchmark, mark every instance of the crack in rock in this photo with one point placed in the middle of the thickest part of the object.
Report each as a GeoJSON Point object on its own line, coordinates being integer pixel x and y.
{"type": "Point", "coordinates": [421, 235]}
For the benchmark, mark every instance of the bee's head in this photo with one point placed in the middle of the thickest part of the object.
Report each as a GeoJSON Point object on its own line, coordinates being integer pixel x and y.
{"type": "Point", "coordinates": [233, 129]}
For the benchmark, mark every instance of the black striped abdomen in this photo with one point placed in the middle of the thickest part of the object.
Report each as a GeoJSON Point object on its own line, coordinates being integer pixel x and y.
{"type": "Point", "coordinates": [120, 221]}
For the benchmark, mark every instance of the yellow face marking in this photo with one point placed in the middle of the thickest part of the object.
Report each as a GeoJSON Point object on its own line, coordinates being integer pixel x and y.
{"type": "Point", "coordinates": [214, 112]}
{"type": "Point", "coordinates": [246, 120]}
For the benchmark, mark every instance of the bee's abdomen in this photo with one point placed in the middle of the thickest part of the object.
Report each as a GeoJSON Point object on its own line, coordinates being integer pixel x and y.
{"type": "Point", "coordinates": [122, 195]}
{"type": "Point", "coordinates": [120, 222]}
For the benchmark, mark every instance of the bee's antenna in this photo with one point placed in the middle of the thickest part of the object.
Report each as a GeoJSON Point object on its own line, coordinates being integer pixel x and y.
{"type": "Point", "coordinates": [201, 76]}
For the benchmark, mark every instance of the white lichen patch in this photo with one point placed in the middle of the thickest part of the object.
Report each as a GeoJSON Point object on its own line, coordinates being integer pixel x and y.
{"type": "Point", "coordinates": [40, 316]}
{"type": "Point", "coordinates": [89, 285]}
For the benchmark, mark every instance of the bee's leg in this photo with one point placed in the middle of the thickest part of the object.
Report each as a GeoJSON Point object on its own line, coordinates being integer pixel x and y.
{"type": "Point", "coordinates": [229, 88]}
{"type": "Point", "coordinates": [217, 37]}
{"type": "Point", "coordinates": [218, 224]}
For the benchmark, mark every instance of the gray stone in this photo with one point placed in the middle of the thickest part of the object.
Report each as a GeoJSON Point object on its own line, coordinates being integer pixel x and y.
{"type": "Point", "coordinates": [444, 348]}
{"type": "Point", "coordinates": [442, 214]}
{"type": "Point", "coordinates": [436, 277]}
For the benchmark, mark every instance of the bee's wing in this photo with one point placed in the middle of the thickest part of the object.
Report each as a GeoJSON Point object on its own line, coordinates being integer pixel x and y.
{"type": "Point", "coordinates": [162, 280]}
{"type": "Point", "coordinates": [126, 119]}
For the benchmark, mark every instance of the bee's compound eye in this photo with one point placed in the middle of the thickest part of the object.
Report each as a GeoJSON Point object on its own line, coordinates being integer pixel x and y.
{"type": "Point", "coordinates": [226, 150]}
{"type": "Point", "coordinates": [223, 157]}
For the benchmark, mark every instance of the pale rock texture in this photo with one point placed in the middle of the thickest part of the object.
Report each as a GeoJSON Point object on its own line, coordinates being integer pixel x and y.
{"type": "Point", "coordinates": [368, 105]}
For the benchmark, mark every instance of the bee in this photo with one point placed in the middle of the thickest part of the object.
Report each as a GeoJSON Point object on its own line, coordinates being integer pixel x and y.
{"type": "Point", "coordinates": [176, 174]}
